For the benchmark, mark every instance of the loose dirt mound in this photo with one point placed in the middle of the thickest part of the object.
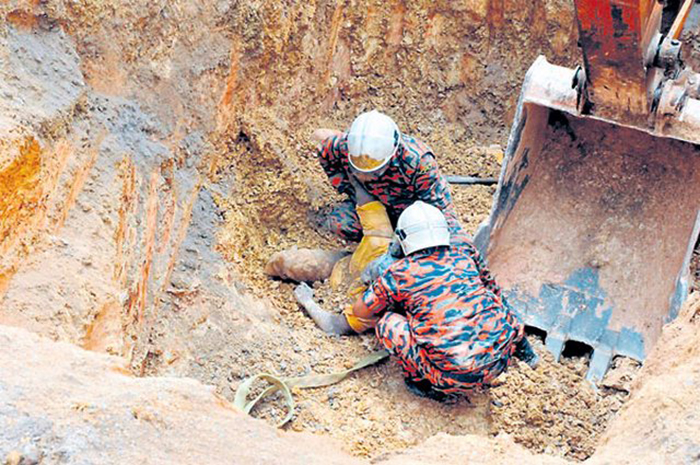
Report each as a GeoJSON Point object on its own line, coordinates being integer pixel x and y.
{"type": "Point", "coordinates": [62, 404]}
{"type": "Point", "coordinates": [554, 410]}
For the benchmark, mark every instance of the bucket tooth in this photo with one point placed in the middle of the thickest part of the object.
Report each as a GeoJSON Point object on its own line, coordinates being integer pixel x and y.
{"type": "Point", "coordinates": [600, 362]}
{"type": "Point", "coordinates": [603, 352]}
{"type": "Point", "coordinates": [558, 335]}
{"type": "Point", "coordinates": [555, 345]}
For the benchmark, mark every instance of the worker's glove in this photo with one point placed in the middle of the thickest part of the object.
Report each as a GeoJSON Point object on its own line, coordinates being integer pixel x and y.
{"type": "Point", "coordinates": [395, 248]}
{"type": "Point", "coordinates": [377, 267]}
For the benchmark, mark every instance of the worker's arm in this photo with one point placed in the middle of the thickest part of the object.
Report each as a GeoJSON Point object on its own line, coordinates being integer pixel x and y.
{"type": "Point", "coordinates": [330, 323]}
{"type": "Point", "coordinates": [380, 296]}
{"type": "Point", "coordinates": [432, 187]}
{"type": "Point", "coordinates": [484, 274]}
{"type": "Point", "coordinates": [331, 154]}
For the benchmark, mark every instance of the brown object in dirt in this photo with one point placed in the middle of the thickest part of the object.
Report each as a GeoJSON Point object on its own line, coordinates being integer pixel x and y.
{"type": "Point", "coordinates": [303, 264]}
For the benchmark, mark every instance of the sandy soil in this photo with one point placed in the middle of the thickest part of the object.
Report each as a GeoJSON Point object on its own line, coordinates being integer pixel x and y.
{"type": "Point", "coordinates": [95, 411]}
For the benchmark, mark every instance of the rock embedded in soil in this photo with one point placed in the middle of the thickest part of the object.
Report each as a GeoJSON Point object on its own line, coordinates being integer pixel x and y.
{"type": "Point", "coordinates": [621, 374]}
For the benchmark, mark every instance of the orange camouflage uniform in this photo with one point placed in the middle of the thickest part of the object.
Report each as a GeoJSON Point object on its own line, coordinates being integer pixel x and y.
{"type": "Point", "coordinates": [443, 317]}
{"type": "Point", "coordinates": [412, 174]}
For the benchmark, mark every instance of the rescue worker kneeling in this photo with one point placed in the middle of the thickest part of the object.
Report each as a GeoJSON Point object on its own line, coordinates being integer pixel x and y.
{"type": "Point", "coordinates": [437, 310]}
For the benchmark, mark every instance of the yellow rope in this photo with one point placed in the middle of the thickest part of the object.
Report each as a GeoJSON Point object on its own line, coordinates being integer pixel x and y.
{"type": "Point", "coordinates": [284, 385]}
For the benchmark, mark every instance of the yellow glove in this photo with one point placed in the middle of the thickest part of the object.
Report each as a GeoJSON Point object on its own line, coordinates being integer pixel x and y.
{"type": "Point", "coordinates": [359, 325]}
{"type": "Point", "coordinates": [377, 233]}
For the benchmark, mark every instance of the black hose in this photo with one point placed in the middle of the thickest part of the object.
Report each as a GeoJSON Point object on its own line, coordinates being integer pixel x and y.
{"type": "Point", "coordinates": [471, 180]}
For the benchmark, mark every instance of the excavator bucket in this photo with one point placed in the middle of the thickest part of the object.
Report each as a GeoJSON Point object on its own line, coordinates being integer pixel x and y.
{"type": "Point", "coordinates": [597, 208]}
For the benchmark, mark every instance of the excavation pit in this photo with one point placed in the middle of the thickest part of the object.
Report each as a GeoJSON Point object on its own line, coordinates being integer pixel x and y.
{"type": "Point", "coordinates": [172, 158]}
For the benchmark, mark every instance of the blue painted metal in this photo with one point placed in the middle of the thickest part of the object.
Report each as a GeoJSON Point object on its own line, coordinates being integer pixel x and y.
{"type": "Point", "coordinates": [576, 311]}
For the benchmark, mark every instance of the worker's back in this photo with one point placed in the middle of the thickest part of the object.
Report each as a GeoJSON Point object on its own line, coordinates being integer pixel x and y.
{"type": "Point", "coordinates": [461, 324]}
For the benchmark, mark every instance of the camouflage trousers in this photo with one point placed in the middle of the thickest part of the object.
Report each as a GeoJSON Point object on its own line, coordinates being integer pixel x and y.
{"type": "Point", "coordinates": [394, 333]}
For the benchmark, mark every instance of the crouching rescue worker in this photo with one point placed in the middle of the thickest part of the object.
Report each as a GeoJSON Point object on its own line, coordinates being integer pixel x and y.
{"type": "Point", "coordinates": [437, 310]}
{"type": "Point", "coordinates": [393, 168]}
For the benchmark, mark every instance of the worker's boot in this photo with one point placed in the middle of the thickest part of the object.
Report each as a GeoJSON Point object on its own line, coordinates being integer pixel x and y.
{"type": "Point", "coordinates": [524, 352]}
{"type": "Point", "coordinates": [423, 388]}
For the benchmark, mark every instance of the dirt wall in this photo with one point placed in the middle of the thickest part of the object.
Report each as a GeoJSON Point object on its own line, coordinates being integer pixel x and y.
{"type": "Point", "coordinates": [123, 122]}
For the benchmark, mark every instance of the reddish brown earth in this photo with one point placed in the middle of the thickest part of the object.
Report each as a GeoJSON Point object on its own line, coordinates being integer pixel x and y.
{"type": "Point", "coordinates": [154, 156]}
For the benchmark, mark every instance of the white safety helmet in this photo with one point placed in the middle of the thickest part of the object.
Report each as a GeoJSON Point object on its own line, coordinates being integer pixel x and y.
{"type": "Point", "coordinates": [372, 140]}
{"type": "Point", "coordinates": [421, 226]}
